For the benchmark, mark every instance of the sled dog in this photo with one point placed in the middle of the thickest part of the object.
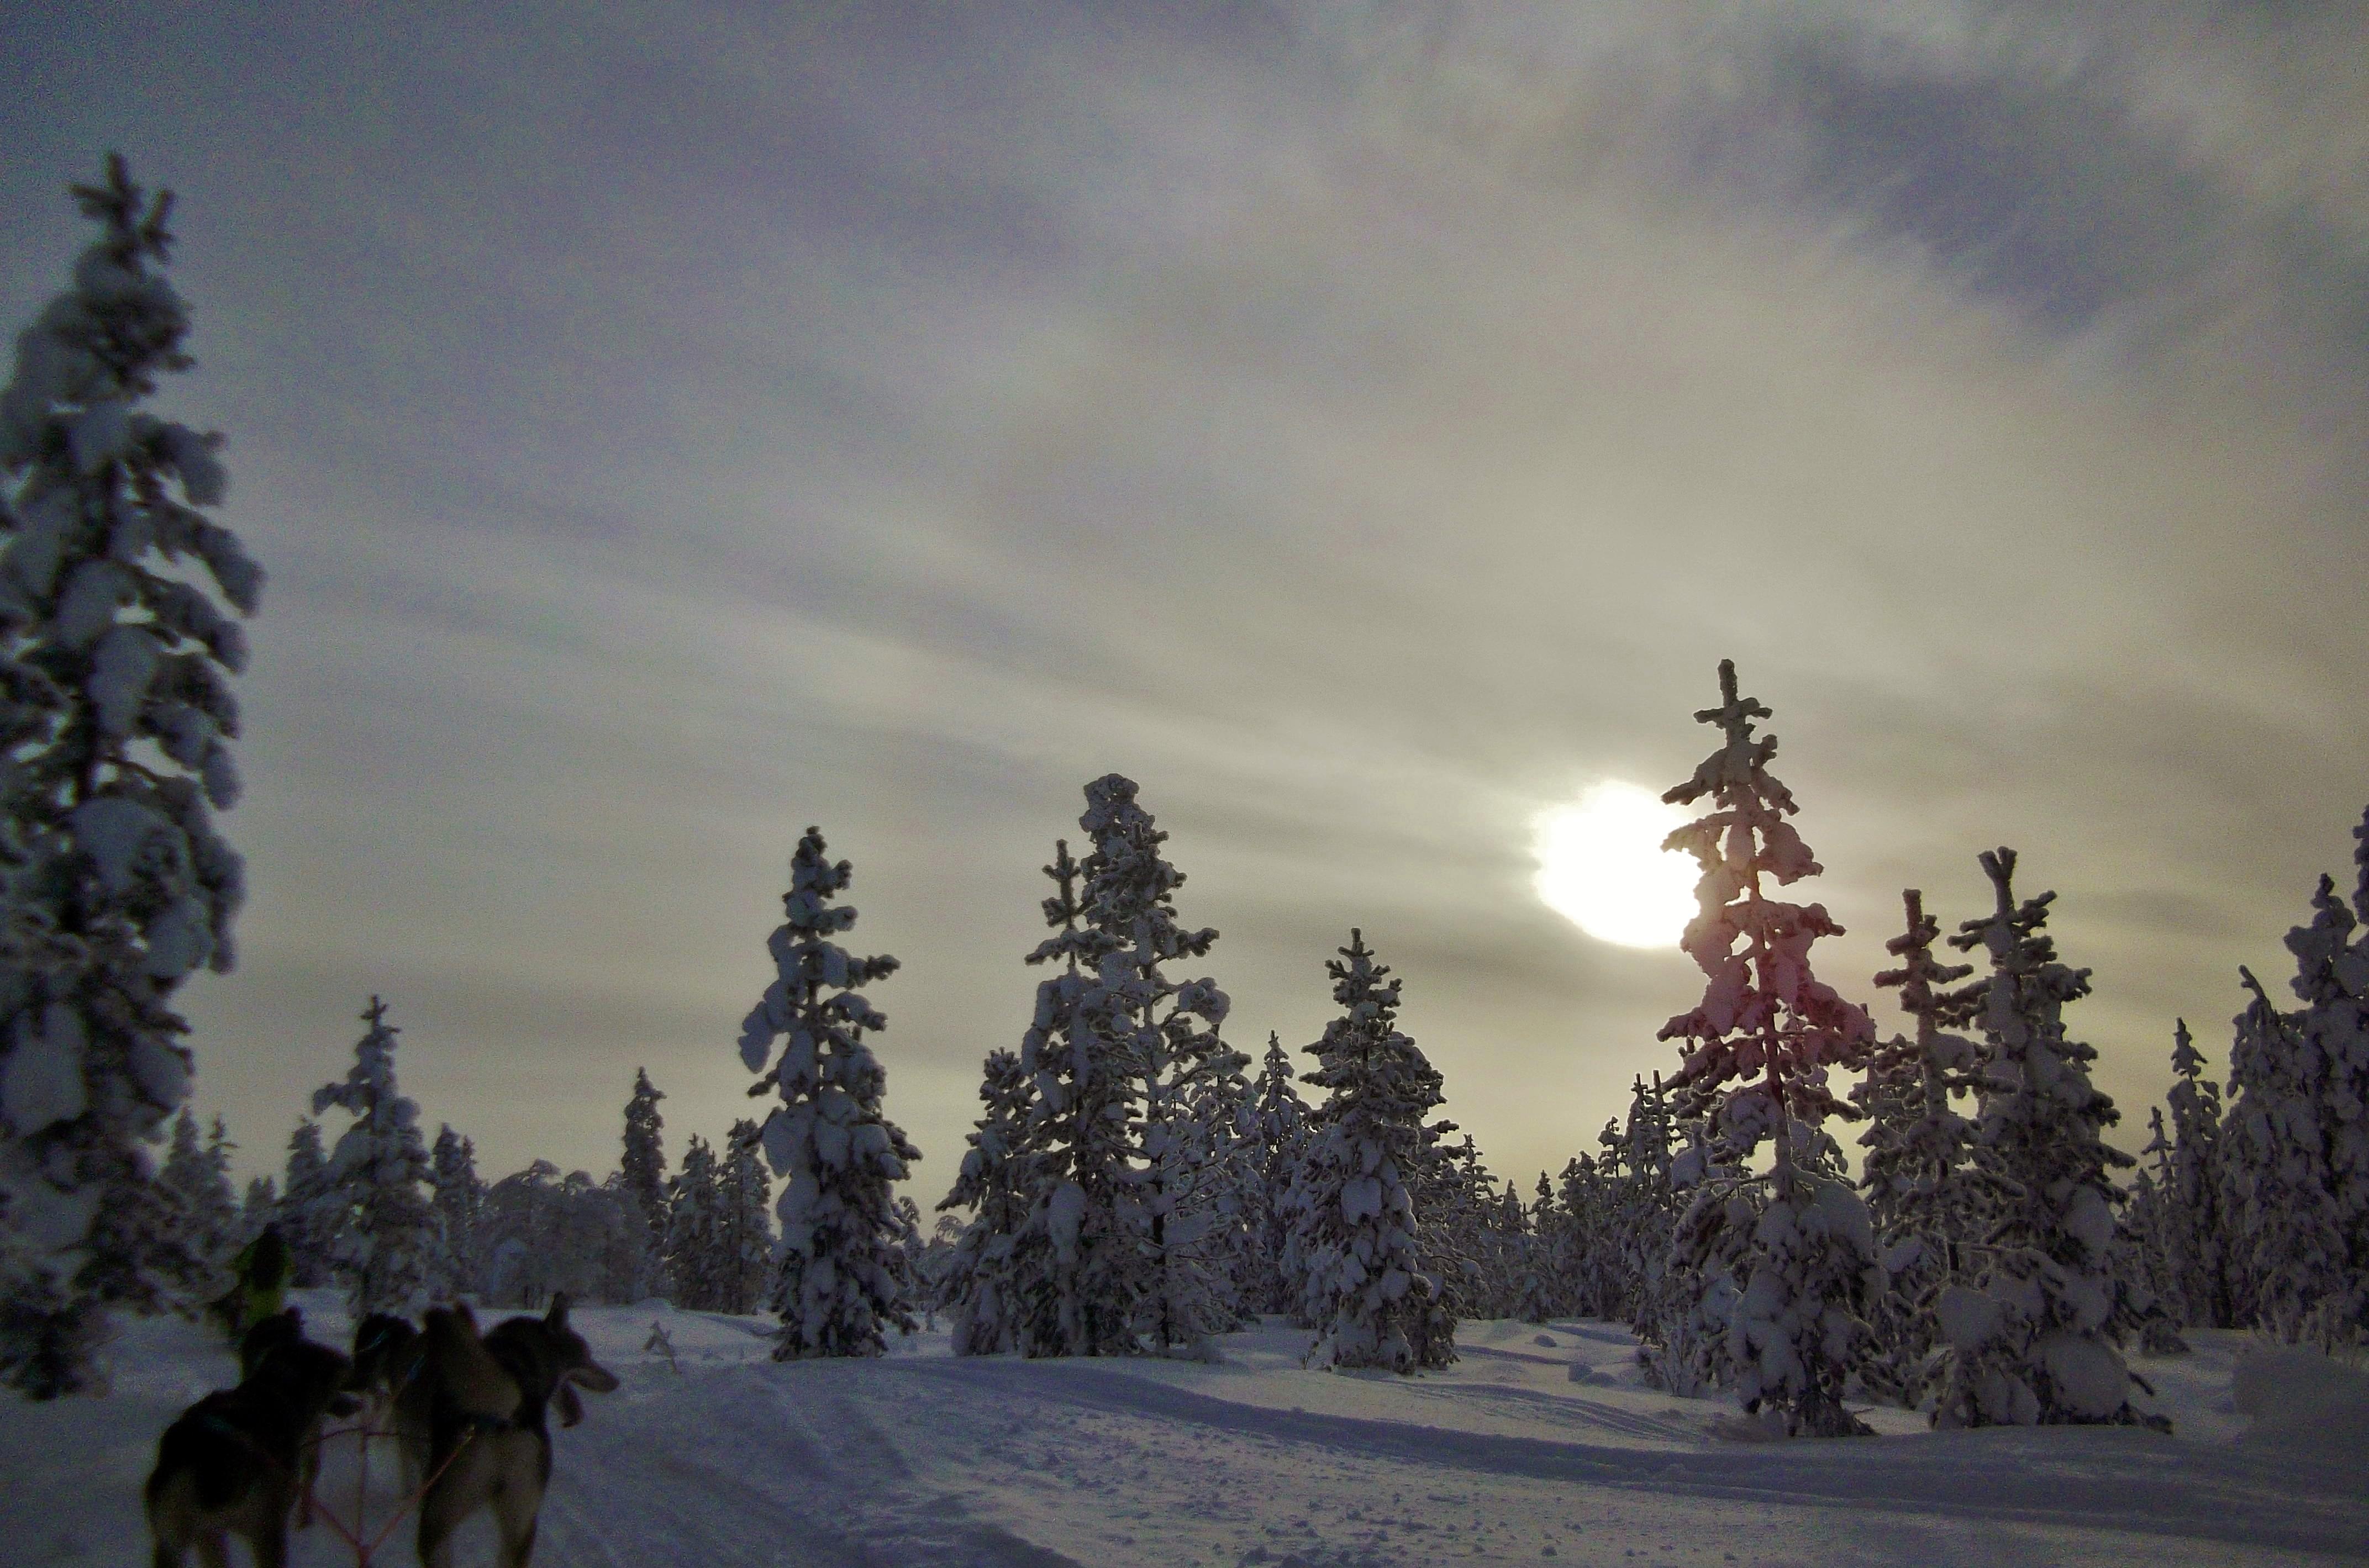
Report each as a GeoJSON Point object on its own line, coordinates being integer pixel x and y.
{"type": "Point", "coordinates": [475, 1421]}
{"type": "Point", "coordinates": [268, 1335]}
{"type": "Point", "coordinates": [236, 1460]}
{"type": "Point", "coordinates": [387, 1354]}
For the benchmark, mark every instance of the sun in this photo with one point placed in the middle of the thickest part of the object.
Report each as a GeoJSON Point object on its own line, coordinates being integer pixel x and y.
{"type": "Point", "coordinates": [1602, 867]}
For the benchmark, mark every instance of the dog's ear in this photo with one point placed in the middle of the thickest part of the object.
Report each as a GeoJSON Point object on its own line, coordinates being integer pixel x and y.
{"type": "Point", "coordinates": [571, 1409]}
{"type": "Point", "coordinates": [466, 1319]}
{"type": "Point", "coordinates": [296, 1319]}
{"type": "Point", "coordinates": [557, 1316]}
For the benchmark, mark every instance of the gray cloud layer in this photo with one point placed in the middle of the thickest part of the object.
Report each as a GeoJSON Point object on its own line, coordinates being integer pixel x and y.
{"type": "Point", "coordinates": [1363, 424]}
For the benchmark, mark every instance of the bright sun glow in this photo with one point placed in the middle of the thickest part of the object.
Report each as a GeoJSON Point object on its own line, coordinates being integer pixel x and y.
{"type": "Point", "coordinates": [1601, 866]}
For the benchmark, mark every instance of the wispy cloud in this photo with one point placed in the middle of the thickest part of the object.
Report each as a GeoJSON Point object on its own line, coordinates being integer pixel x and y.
{"type": "Point", "coordinates": [1364, 424]}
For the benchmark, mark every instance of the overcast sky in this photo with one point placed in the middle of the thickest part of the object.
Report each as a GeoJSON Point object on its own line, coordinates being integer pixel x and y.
{"type": "Point", "coordinates": [1365, 425]}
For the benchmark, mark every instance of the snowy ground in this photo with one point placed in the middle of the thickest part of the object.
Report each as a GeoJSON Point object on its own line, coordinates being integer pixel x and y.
{"type": "Point", "coordinates": [1537, 1446]}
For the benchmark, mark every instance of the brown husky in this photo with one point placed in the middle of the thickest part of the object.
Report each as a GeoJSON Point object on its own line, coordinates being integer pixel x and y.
{"type": "Point", "coordinates": [475, 1421]}
{"type": "Point", "coordinates": [235, 1459]}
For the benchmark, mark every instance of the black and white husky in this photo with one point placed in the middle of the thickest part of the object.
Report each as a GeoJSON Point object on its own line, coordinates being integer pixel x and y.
{"type": "Point", "coordinates": [237, 1461]}
{"type": "Point", "coordinates": [475, 1421]}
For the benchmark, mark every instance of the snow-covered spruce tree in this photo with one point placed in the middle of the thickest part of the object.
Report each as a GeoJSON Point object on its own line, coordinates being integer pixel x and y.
{"type": "Point", "coordinates": [2286, 1233]}
{"type": "Point", "coordinates": [542, 1233]}
{"type": "Point", "coordinates": [204, 1206]}
{"type": "Point", "coordinates": [744, 1231]}
{"type": "Point", "coordinates": [2196, 1233]}
{"type": "Point", "coordinates": [630, 1269]}
{"type": "Point", "coordinates": [1684, 1323]}
{"type": "Point", "coordinates": [911, 1250]}
{"type": "Point", "coordinates": [997, 1185]}
{"type": "Point", "coordinates": [2033, 1338]}
{"type": "Point", "coordinates": [1224, 1113]}
{"type": "Point", "coordinates": [1758, 1048]}
{"type": "Point", "coordinates": [1279, 1121]}
{"type": "Point", "coordinates": [1926, 1193]}
{"type": "Point", "coordinates": [2142, 1251]}
{"type": "Point", "coordinates": [115, 715]}
{"type": "Point", "coordinates": [1458, 1244]}
{"type": "Point", "coordinates": [2331, 979]}
{"type": "Point", "coordinates": [383, 1238]}
{"type": "Point", "coordinates": [1537, 1297]}
{"type": "Point", "coordinates": [1512, 1288]}
{"type": "Point", "coordinates": [1649, 1211]}
{"type": "Point", "coordinates": [459, 1197]}
{"type": "Point", "coordinates": [1587, 1258]}
{"type": "Point", "coordinates": [643, 1165]}
{"type": "Point", "coordinates": [933, 1265]}
{"type": "Point", "coordinates": [1079, 1298]}
{"type": "Point", "coordinates": [841, 1281]}
{"type": "Point", "coordinates": [257, 1208]}
{"type": "Point", "coordinates": [1354, 1238]}
{"type": "Point", "coordinates": [304, 1215]}
{"type": "Point", "coordinates": [2339, 1021]}
{"type": "Point", "coordinates": [523, 1236]}
{"type": "Point", "coordinates": [1180, 1079]}
{"type": "Point", "coordinates": [1618, 1212]}
{"type": "Point", "coordinates": [220, 1192]}
{"type": "Point", "coordinates": [693, 1233]}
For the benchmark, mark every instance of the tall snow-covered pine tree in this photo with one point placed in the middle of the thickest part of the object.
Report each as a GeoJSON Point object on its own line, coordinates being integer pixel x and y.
{"type": "Point", "coordinates": [115, 715]}
{"type": "Point", "coordinates": [984, 1288]}
{"type": "Point", "coordinates": [1354, 1241]}
{"type": "Point", "coordinates": [744, 1232]}
{"type": "Point", "coordinates": [1796, 1240]}
{"type": "Point", "coordinates": [2034, 1339]}
{"type": "Point", "coordinates": [841, 1282]}
{"type": "Point", "coordinates": [1926, 1194]}
{"type": "Point", "coordinates": [383, 1235]}
{"type": "Point", "coordinates": [1181, 1081]}
{"type": "Point", "coordinates": [459, 1197]}
{"type": "Point", "coordinates": [643, 1165]}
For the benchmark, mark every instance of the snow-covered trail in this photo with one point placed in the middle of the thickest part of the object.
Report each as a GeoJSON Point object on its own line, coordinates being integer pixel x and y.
{"type": "Point", "coordinates": [921, 1459]}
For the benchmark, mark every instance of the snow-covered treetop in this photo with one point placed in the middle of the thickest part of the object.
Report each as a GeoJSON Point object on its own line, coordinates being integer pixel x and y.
{"type": "Point", "coordinates": [2187, 1062]}
{"type": "Point", "coordinates": [1130, 892]}
{"type": "Point", "coordinates": [815, 976]}
{"type": "Point", "coordinates": [454, 1158]}
{"type": "Point", "coordinates": [1280, 1105]}
{"type": "Point", "coordinates": [1004, 1090]}
{"type": "Point", "coordinates": [2327, 966]}
{"type": "Point", "coordinates": [1644, 1138]}
{"type": "Point", "coordinates": [1074, 946]}
{"type": "Point", "coordinates": [1763, 1011]}
{"type": "Point", "coordinates": [1369, 1065]}
{"type": "Point", "coordinates": [644, 1162]}
{"type": "Point", "coordinates": [1367, 1003]}
{"type": "Point", "coordinates": [2262, 1055]}
{"type": "Point", "coordinates": [1116, 918]}
{"type": "Point", "coordinates": [368, 1090]}
{"type": "Point", "coordinates": [1919, 971]}
{"type": "Point", "coordinates": [117, 706]}
{"type": "Point", "coordinates": [2027, 987]}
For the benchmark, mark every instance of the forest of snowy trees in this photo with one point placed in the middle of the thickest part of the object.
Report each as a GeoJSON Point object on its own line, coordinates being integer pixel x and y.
{"type": "Point", "coordinates": [1131, 1186]}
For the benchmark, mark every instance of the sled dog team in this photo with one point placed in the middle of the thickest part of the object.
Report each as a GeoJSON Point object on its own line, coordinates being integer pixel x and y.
{"type": "Point", "coordinates": [469, 1410]}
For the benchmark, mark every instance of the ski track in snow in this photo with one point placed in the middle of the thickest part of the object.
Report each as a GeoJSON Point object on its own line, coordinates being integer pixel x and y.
{"type": "Point", "coordinates": [921, 1459]}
